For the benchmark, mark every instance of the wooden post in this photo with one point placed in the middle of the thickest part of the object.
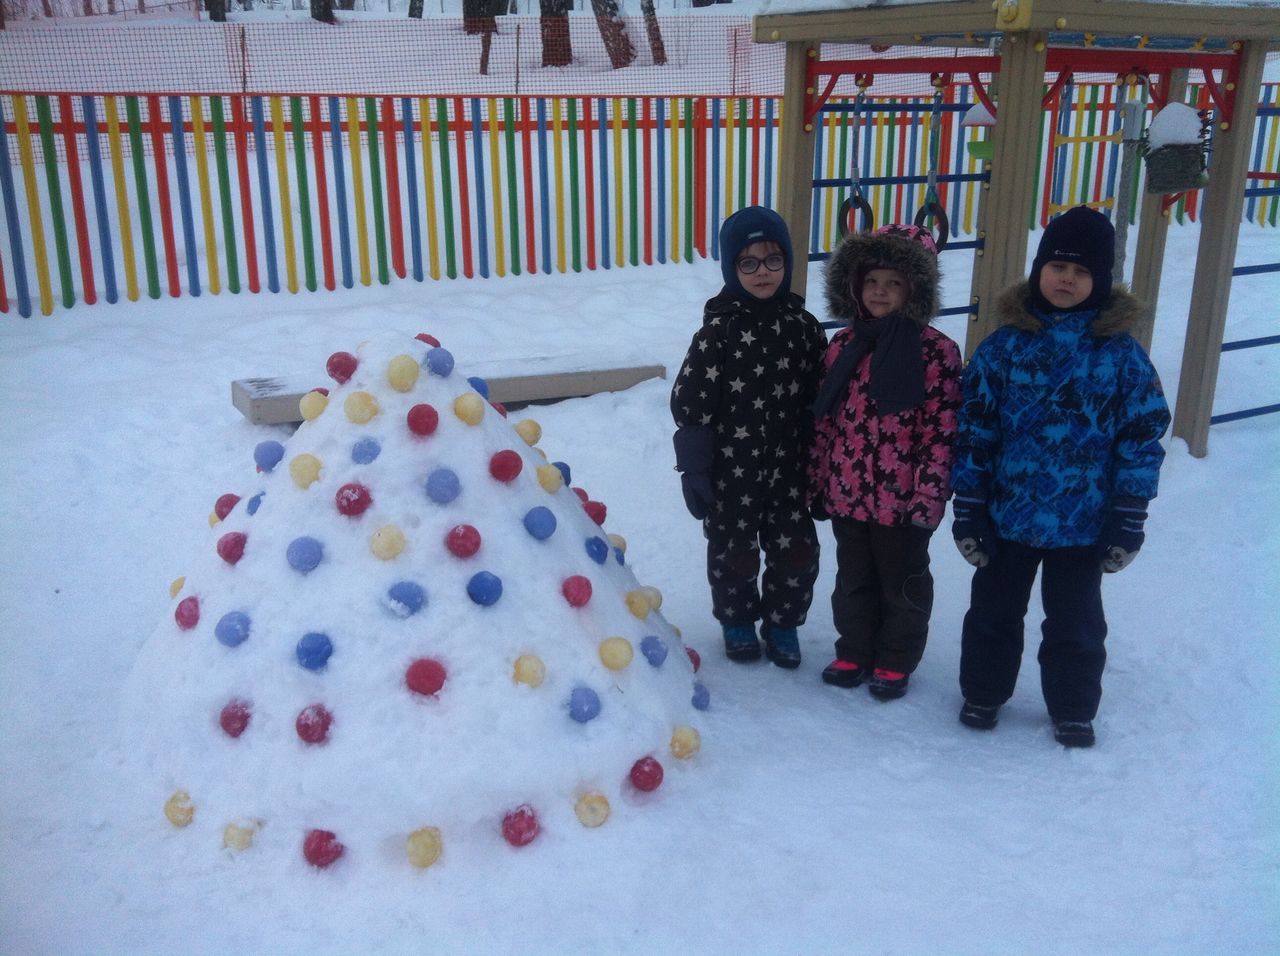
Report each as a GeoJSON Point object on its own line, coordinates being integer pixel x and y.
{"type": "Point", "coordinates": [1216, 256]}
{"type": "Point", "coordinates": [795, 161]}
{"type": "Point", "coordinates": [1153, 230]}
{"type": "Point", "coordinates": [1009, 201]}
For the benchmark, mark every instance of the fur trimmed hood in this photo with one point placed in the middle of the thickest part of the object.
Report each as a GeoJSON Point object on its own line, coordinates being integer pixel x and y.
{"type": "Point", "coordinates": [1121, 313]}
{"type": "Point", "coordinates": [888, 248]}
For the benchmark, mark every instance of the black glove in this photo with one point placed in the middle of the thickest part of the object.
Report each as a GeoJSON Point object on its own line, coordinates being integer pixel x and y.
{"type": "Point", "coordinates": [1122, 534]}
{"type": "Point", "coordinates": [971, 527]}
{"type": "Point", "coordinates": [695, 450]}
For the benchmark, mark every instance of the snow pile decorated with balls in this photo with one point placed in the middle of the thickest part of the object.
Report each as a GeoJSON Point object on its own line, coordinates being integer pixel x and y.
{"type": "Point", "coordinates": [407, 629]}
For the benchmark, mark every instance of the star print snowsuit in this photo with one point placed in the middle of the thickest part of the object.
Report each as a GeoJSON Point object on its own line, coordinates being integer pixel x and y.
{"type": "Point", "coordinates": [750, 374]}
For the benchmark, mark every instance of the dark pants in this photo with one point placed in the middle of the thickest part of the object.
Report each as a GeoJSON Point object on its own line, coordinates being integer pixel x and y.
{"type": "Point", "coordinates": [883, 595]}
{"type": "Point", "coordinates": [782, 597]}
{"type": "Point", "coordinates": [1071, 655]}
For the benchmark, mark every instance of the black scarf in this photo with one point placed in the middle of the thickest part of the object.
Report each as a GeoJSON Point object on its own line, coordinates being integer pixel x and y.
{"type": "Point", "coordinates": [897, 370]}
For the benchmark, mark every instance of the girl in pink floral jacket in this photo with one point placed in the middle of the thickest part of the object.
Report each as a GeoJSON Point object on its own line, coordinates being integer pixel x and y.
{"type": "Point", "coordinates": [881, 458]}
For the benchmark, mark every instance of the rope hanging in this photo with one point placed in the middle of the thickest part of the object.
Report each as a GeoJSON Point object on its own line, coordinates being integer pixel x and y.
{"type": "Point", "coordinates": [856, 202]}
{"type": "Point", "coordinates": [932, 201]}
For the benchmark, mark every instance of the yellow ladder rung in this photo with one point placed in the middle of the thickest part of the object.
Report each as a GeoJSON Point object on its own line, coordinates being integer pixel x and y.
{"type": "Point", "coordinates": [1109, 138]}
{"type": "Point", "coordinates": [1108, 203]}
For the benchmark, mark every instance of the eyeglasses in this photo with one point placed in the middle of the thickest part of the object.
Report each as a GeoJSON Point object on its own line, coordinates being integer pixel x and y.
{"type": "Point", "coordinates": [749, 264]}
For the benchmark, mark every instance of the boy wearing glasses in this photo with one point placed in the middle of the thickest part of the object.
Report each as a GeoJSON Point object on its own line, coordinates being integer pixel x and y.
{"type": "Point", "coordinates": [742, 406]}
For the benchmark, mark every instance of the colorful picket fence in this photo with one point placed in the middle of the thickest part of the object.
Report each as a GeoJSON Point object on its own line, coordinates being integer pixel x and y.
{"type": "Point", "coordinates": [195, 194]}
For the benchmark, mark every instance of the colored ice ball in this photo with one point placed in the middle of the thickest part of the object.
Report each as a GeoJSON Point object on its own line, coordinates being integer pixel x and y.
{"type": "Point", "coordinates": [405, 598]}
{"type": "Point", "coordinates": [480, 385]}
{"type": "Point", "coordinates": [428, 338]}
{"type": "Point", "coordinates": [549, 478]}
{"type": "Point", "coordinates": [596, 511]}
{"type": "Point", "coordinates": [685, 742]}
{"type": "Point", "coordinates": [304, 554]}
{"type": "Point", "coordinates": [694, 658]}
{"type": "Point", "coordinates": [654, 649]}
{"type": "Point", "coordinates": [239, 835]}
{"type": "Point", "coordinates": [222, 507]}
{"type": "Point", "coordinates": [616, 653]}
{"type": "Point", "coordinates": [462, 541]}
{"type": "Point", "coordinates": [312, 405]}
{"type": "Point", "coordinates": [231, 546]}
{"type": "Point", "coordinates": [255, 503]}
{"type": "Point", "coordinates": [304, 470]}
{"type": "Point", "coordinates": [440, 361]}
{"type": "Point", "coordinates": [654, 596]}
{"type": "Point", "coordinates": [597, 550]}
{"type": "Point", "coordinates": [584, 704]}
{"type": "Point", "coordinates": [701, 696]}
{"type": "Point", "coordinates": [529, 670]}
{"type": "Point", "coordinates": [646, 774]}
{"type": "Point", "coordinates": [341, 366]}
{"type": "Point", "coordinates": [638, 604]}
{"type": "Point", "coordinates": [360, 407]}
{"type": "Point", "coordinates": [365, 451]}
{"type": "Point", "coordinates": [176, 585]}
{"type": "Point", "coordinates": [313, 650]}
{"type": "Point", "coordinates": [187, 613]}
{"type": "Point", "coordinates": [592, 809]}
{"type": "Point", "coordinates": [322, 848]}
{"type": "Point", "coordinates": [402, 373]}
{"type": "Point", "coordinates": [520, 826]}
{"type": "Point", "coordinates": [232, 629]}
{"type": "Point", "coordinates": [540, 522]}
{"type": "Point", "coordinates": [425, 676]}
{"type": "Point", "coordinates": [469, 407]}
{"type": "Point", "coordinates": [179, 809]}
{"type": "Point", "coordinates": [352, 499]}
{"type": "Point", "coordinates": [582, 495]}
{"type": "Point", "coordinates": [443, 486]}
{"type": "Point", "coordinates": [529, 430]}
{"type": "Point", "coordinates": [576, 590]}
{"type": "Point", "coordinates": [564, 471]}
{"type": "Point", "coordinates": [619, 542]}
{"type": "Point", "coordinates": [423, 419]}
{"type": "Point", "coordinates": [484, 588]}
{"type": "Point", "coordinates": [423, 847]}
{"type": "Point", "coordinates": [235, 716]}
{"type": "Point", "coordinates": [387, 542]}
{"type": "Point", "coordinates": [506, 465]}
{"type": "Point", "coordinates": [267, 454]}
{"type": "Point", "coordinates": [313, 724]}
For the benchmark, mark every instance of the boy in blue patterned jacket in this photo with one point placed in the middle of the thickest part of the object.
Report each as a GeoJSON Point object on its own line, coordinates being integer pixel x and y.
{"type": "Point", "coordinates": [1057, 454]}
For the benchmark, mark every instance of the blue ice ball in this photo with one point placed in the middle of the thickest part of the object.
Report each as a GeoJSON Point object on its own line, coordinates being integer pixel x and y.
{"type": "Point", "coordinates": [443, 486]}
{"type": "Point", "coordinates": [365, 451]}
{"type": "Point", "coordinates": [654, 650]}
{"type": "Point", "coordinates": [701, 696]}
{"type": "Point", "coordinates": [405, 598]}
{"type": "Point", "coordinates": [440, 362]}
{"type": "Point", "coordinates": [267, 454]}
{"type": "Point", "coordinates": [480, 385]}
{"type": "Point", "coordinates": [313, 651]}
{"type": "Point", "coordinates": [540, 522]}
{"type": "Point", "coordinates": [564, 470]}
{"type": "Point", "coordinates": [255, 503]}
{"type": "Point", "coordinates": [484, 588]}
{"type": "Point", "coordinates": [304, 554]}
{"type": "Point", "coordinates": [617, 553]}
{"type": "Point", "coordinates": [584, 704]}
{"type": "Point", "coordinates": [232, 628]}
{"type": "Point", "coordinates": [597, 549]}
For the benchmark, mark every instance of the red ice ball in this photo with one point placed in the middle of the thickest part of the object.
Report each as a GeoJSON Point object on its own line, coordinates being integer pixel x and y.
{"type": "Point", "coordinates": [341, 366]}
{"type": "Point", "coordinates": [596, 511]}
{"type": "Point", "coordinates": [505, 465]}
{"type": "Point", "coordinates": [187, 613]}
{"type": "Point", "coordinates": [576, 590]}
{"type": "Point", "coordinates": [582, 495]}
{"type": "Point", "coordinates": [520, 826]}
{"type": "Point", "coordinates": [646, 774]}
{"type": "Point", "coordinates": [231, 546]}
{"type": "Point", "coordinates": [462, 541]}
{"type": "Point", "coordinates": [322, 391]}
{"type": "Point", "coordinates": [222, 507]}
{"type": "Point", "coordinates": [352, 499]}
{"type": "Point", "coordinates": [313, 724]}
{"type": "Point", "coordinates": [423, 419]}
{"type": "Point", "coordinates": [322, 848]}
{"type": "Point", "coordinates": [235, 717]}
{"type": "Point", "coordinates": [429, 339]}
{"type": "Point", "coordinates": [425, 676]}
{"type": "Point", "coordinates": [499, 408]}
{"type": "Point", "coordinates": [694, 658]}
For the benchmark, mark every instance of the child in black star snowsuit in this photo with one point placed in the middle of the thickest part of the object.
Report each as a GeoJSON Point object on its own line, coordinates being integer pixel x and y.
{"type": "Point", "coordinates": [742, 405]}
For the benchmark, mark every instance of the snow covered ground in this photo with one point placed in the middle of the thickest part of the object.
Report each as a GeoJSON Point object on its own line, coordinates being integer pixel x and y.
{"type": "Point", "coordinates": [813, 819]}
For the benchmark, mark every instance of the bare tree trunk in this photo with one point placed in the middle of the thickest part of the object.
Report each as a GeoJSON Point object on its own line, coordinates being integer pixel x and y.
{"type": "Point", "coordinates": [87, 9]}
{"type": "Point", "coordinates": [217, 10]}
{"type": "Point", "coordinates": [553, 21]}
{"type": "Point", "coordinates": [614, 33]}
{"type": "Point", "coordinates": [48, 8]}
{"type": "Point", "coordinates": [322, 10]}
{"type": "Point", "coordinates": [478, 16]}
{"type": "Point", "coordinates": [654, 31]}
{"type": "Point", "coordinates": [415, 9]}
{"type": "Point", "coordinates": [142, 5]}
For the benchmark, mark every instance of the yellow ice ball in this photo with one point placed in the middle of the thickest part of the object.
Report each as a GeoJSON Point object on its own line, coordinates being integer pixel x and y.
{"type": "Point", "coordinates": [676, 629]}
{"type": "Point", "coordinates": [305, 470]}
{"type": "Point", "coordinates": [361, 407]}
{"type": "Point", "coordinates": [238, 835]}
{"type": "Point", "coordinates": [638, 604]}
{"type": "Point", "coordinates": [550, 477]}
{"type": "Point", "coordinates": [529, 670]}
{"type": "Point", "coordinates": [685, 742]}
{"type": "Point", "coordinates": [654, 596]}
{"type": "Point", "coordinates": [402, 373]}
{"type": "Point", "coordinates": [213, 518]}
{"type": "Point", "coordinates": [423, 847]}
{"type": "Point", "coordinates": [177, 585]}
{"type": "Point", "coordinates": [616, 653]}
{"type": "Point", "coordinates": [619, 542]}
{"type": "Point", "coordinates": [387, 542]}
{"type": "Point", "coordinates": [592, 809]}
{"type": "Point", "coordinates": [469, 407]}
{"type": "Point", "coordinates": [529, 430]}
{"type": "Point", "coordinates": [312, 405]}
{"type": "Point", "coordinates": [179, 808]}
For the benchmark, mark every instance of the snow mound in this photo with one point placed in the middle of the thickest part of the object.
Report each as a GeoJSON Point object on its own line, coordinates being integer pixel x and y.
{"type": "Point", "coordinates": [1177, 123]}
{"type": "Point", "coordinates": [407, 629]}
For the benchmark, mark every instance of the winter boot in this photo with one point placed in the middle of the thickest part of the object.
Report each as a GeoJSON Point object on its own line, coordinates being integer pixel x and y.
{"type": "Point", "coordinates": [979, 716]}
{"type": "Point", "coordinates": [845, 674]}
{"type": "Point", "coordinates": [1073, 733]}
{"type": "Point", "coordinates": [740, 643]}
{"type": "Point", "coordinates": [782, 646]}
{"type": "Point", "coordinates": [887, 685]}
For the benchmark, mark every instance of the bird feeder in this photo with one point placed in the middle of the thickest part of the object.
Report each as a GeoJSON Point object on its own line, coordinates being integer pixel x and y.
{"type": "Point", "coordinates": [1175, 149]}
{"type": "Point", "coordinates": [978, 115]}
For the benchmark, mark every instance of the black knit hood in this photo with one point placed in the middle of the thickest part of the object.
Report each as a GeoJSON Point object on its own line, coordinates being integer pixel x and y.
{"type": "Point", "coordinates": [905, 249]}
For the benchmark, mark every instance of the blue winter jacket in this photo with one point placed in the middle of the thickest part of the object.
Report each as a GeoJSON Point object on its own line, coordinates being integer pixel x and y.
{"type": "Point", "coordinates": [1062, 414]}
